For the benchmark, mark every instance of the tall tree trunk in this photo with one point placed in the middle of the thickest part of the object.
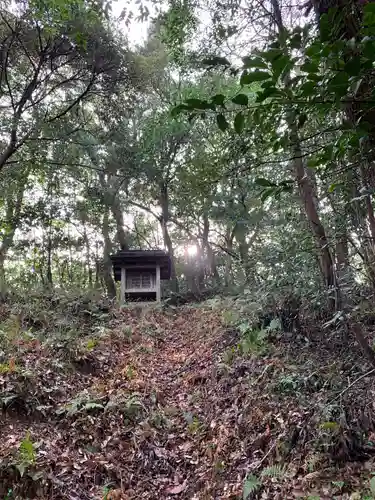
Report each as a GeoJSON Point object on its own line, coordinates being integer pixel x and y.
{"type": "Point", "coordinates": [164, 203]}
{"type": "Point", "coordinates": [305, 188]}
{"type": "Point", "coordinates": [111, 200]}
{"type": "Point", "coordinates": [13, 204]}
{"type": "Point", "coordinates": [97, 266]}
{"type": "Point", "coordinates": [118, 215]}
{"type": "Point", "coordinates": [359, 221]}
{"type": "Point", "coordinates": [210, 256]}
{"type": "Point", "coordinates": [228, 257]}
{"type": "Point", "coordinates": [107, 263]}
{"type": "Point", "coordinates": [307, 197]}
{"type": "Point", "coordinates": [88, 259]}
{"type": "Point", "coordinates": [49, 258]}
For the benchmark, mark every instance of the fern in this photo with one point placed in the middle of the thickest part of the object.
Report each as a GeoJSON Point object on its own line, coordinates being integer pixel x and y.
{"type": "Point", "coordinates": [273, 471]}
{"type": "Point", "coordinates": [26, 455]}
{"type": "Point", "coordinates": [27, 451]}
{"type": "Point", "coordinates": [251, 485]}
{"type": "Point", "coordinates": [91, 344]}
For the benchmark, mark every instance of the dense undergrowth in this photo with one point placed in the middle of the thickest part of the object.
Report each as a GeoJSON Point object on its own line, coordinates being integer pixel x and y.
{"type": "Point", "coordinates": [194, 402]}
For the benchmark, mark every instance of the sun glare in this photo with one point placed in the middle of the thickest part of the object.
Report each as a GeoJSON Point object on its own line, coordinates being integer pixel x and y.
{"type": "Point", "coordinates": [192, 250]}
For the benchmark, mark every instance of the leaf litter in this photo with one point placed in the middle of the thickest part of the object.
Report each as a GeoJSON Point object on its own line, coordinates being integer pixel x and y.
{"type": "Point", "coordinates": [151, 408]}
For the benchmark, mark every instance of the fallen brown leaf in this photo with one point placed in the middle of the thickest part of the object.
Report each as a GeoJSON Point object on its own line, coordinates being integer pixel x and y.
{"type": "Point", "coordinates": [176, 490]}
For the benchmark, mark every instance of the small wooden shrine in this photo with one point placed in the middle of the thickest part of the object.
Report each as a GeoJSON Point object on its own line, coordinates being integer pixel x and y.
{"type": "Point", "coordinates": [140, 273]}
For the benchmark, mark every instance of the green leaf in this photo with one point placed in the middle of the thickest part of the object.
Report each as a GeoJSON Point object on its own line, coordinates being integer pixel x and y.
{"type": "Point", "coordinates": [216, 61]}
{"type": "Point", "coordinates": [260, 181]}
{"type": "Point", "coordinates": [179, 109]}
{"type": "Point", "coordinates": [251, 485]}
{"type": "Point", "coordinates": [353, 66]}
{"type": "Point", "coordinates": [310, 67]}
{"type": "Point", "coordinates": [254, 62]}
{"type": "Point", "coordinates": [268, 92]}
{"type": "Point", "coordinates": [21, 468]}
{"type": "Point", "coordinates": [92, 406]}
{"type": "Point", "coordinates": [314, 77]}
{"type": "Point", "coordinates": [372, 485]}
{"type": "Point", "coordinates": [218, 99]}
{"type": "Point", "coordinates": [313, 50]}
{"type": "Point", "coordinates": [279, 64]}
{"type": "Point", "coordinates": [239, 122]}
{"type": "Point", "coordinates": [329, 426]}
{"type": "Point", "coordinates": [243, 77]}
{"type": "Point", "coordinates": [324, 27]}
{"type": "Point", "coordinates": [296, 41]}
{"type": "Point", "coordinates": [302, 120]}
{"type": "Point", "coordinates": [369, 15]}
{"type": "Point", "coordinates": [256, 76]}
{"type": "Point", "coordinates": [308, 89]}
{"type": "Point", "coordinates": [267, 193]}
{"type": "Point", "coordinates": [334, 186]}
{"type": "Point", "coordinates": [339, 84]}
{"type": "Point", "coordinates": [241, 100]}
{"type": "Point", "coordinates": [369, 8]}
{"type": "Point", "coordinates": [274, 470]}
{"type": "Point", "coordinates": [222, 122]}
{"type": "Point", "coordinates": [272, 54]}
{"type": "Point", "coordinates": [338, 484]}
{"type": "Point", "coordinates": [198, 104]}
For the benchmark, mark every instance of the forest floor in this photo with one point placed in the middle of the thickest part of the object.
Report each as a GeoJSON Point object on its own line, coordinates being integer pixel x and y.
{"type": "Point", "coordinates": [153, 404]}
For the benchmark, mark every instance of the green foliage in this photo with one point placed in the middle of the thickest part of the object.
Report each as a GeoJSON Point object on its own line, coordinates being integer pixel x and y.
{"type": "Point", "coordinates": [240, 99]}
{"type": "Point", "coordinates": [26, 457]}
{"type": "Point", "coordinates": [194, 425]}
{"type": "Point", "coordinates": [274, 471]}
{"type": "Point", "coordinates": [178, 25]}
{"type": "Point", "coordinates": [239, 122]}
{"type": "Point", "coordinates": [372, 486]}
{"type": "Point", "coordinates": [250, 173]}
{"type": "Point", "coordinates": [7, 367]}
{"type": "Point", "coordinates": [253, 340]}
{"type": "Point", "coordinates": [82, 403]}
{"type": "Point", "coordinates": [251, 485]}
{"type": "Point", "coordinates": [229, 355]}
{"type": "Point", "coordinates": [222, 122]}
{"type": "Point", "coordinates": [289, 384]}
{"type": "Point", "coordinates": [91, 344]}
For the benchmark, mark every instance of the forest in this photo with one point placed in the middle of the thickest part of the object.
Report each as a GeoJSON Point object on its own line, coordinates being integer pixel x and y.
{"type": "Point", "coordinates": [239, 137]}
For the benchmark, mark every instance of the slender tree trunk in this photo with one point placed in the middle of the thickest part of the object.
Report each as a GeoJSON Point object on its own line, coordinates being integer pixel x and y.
{"type": "Point", "coordinates": [370, 226]}
{"type": "Point", "coordinates": [316, 226]}
{"type": "Point", "coordinates": [113, 203]}
{"type": "Point", "coordinates": [210, 256]}
{"type": "Point", "coordinates": [118, 215]}
{"type": "Point", "coordinates": [228, 258]}
{"type": "Point", "coordinates": [3, 287]}
{"type": "Point", "coordinates": [240, 234]}
{"type": "Point", "coordinates": [12, 218]}
{"type": "Point", "coordinates": [164, 202]}
{"type": "Point", "coordinates": [97, 266]}
{"type": "Point", "coordinates": [359, 221]}
{"type": "Point", "coordinates": [88, 259]}
{"type": "Point", "coordinates": [305, 188]}
{"type": "Point", "coordinates": [107, 263]}
{"type": "Point", "coordinates": [49, 256]}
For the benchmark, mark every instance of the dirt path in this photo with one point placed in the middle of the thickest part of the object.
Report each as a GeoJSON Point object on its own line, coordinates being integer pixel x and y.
{"type": "Point", "coordinates": [156, 405]}
{"type": "Point", "coordinates": [147, 424]}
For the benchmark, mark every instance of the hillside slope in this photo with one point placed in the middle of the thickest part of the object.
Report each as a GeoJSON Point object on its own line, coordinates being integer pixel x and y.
{"type": "Point", "coordinates": [152, 404]}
